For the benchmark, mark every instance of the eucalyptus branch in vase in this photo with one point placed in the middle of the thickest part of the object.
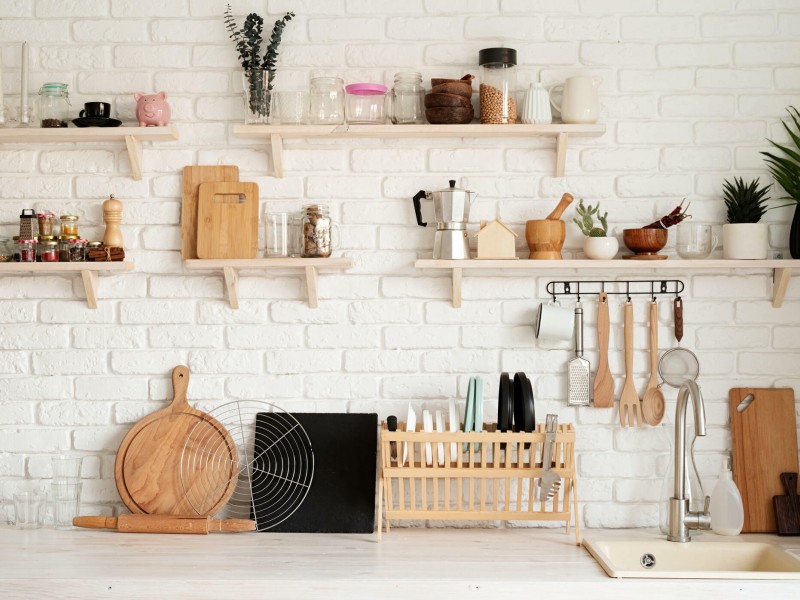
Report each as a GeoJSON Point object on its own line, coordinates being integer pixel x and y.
{"type": "Point", "coordinates": [249, 41]}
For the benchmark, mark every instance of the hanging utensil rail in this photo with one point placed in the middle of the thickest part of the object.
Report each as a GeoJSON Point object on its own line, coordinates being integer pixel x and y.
{"type": "Point", "coordinates": [653, 287]}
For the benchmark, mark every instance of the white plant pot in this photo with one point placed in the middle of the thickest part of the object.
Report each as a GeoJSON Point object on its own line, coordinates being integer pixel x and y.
{"type": "Point", "coordinates": [600, 248]}
{"type": "Point", "coordinates": [745, 241]}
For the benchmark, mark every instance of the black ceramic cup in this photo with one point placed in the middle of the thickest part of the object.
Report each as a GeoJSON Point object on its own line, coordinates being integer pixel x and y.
{"type": "Point", "coordinates": [96, 110]}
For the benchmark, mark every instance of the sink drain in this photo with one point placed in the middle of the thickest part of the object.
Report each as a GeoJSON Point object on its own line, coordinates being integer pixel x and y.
{"type": "Point", "coordinates": [648, 561]}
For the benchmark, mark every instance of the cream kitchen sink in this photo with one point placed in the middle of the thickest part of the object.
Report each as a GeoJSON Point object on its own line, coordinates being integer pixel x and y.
{"type": "Point", "coordinates": [699, 559]}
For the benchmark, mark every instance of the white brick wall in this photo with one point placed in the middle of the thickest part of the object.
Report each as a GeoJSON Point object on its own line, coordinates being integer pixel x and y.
{"type": "Point", "coordinates": [691, 88]}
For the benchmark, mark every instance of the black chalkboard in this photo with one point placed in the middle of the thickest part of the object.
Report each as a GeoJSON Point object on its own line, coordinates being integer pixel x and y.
{"type": "Point", "coordinates": [341, 498]}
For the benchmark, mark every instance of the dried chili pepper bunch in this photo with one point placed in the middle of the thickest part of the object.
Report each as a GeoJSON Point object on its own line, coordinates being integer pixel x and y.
{"type": "Point", "coordinates": [677, 215]}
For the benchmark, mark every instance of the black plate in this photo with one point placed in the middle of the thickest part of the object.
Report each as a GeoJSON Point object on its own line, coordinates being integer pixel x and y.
{"type": "Point", "coordinates": [523, 404]}
{"type": "Point", "coordinates": [96, 122]}
{"type": "Point", "coordinates": [529, 406]}
{"type": "Point", "coordinates": [505, 403]}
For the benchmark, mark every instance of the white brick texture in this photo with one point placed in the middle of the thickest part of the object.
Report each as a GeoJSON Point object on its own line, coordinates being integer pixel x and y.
{"type": "Point", "coordinates": [691, 91]}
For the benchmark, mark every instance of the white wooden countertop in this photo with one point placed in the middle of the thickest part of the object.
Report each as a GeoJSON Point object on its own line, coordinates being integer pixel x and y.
{"type": "Point", "coordinates": [413, 564]}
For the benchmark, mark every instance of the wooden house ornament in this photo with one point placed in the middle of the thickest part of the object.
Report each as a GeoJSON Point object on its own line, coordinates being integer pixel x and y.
{"type": "Point", "coordinates": [496, 241]}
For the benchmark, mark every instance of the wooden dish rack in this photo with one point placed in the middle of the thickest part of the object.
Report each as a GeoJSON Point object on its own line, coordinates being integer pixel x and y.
{"type": "Point", "coordinates": [492, 475]}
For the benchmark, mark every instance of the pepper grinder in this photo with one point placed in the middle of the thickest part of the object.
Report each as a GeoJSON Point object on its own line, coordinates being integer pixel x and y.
{"type": "Point", "coordinates": [112, 217]}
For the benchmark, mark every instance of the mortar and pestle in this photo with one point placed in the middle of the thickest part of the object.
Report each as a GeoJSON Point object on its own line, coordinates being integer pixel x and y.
{"type": "Point", "coordinates": [545, 237]}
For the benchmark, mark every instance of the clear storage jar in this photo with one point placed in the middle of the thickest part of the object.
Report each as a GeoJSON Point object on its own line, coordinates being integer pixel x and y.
{"type": "Point", "coordinates": [77, 250]}
{"type": "Point", "coordinates": [408, 99]}
{"type": "Point", "coordinates": [366, 103]}
{"type": "Point", "coordinates": [326, 102]}
{"type": "Point", "coordinates": [69, 225]}
{"type": "Point", "coordinates": [46, 223]}
{"type": "Point", "coordinates": [317, 228]}
{"type": "Point", "coordinates": [498, 85]}
{"type": "Point", "coordinates": [27, 251]}
{"type": "Point", "coordinates": [54, 105]}
{"type": "Point", "coordinates": [64, 243]}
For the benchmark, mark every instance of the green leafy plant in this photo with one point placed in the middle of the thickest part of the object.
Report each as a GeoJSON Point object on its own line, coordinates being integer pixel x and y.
{"type": "Point", "coordinates": [586, 220]}
{"type": "Point", "coordinates": [746, 202]}
{"type": "Point", "coordinates": [786, 169]}
{"type": "Point", "coordinates": [249, 40]}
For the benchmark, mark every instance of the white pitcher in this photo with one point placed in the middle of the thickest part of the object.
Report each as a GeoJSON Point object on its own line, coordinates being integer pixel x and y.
{"type": "Point", "coordinates": [579, 102]}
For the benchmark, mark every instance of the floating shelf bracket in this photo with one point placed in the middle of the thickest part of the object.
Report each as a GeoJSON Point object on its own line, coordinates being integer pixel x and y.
{"type": "Point", "coordinates": [781, 269]}
{"type": "Point", "coordinates": [231, 267]}
{"type": "Point", "coordinates": [134, 146]}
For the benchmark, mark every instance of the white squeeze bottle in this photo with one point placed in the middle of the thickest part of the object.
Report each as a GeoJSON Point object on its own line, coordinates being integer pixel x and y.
{"type": "Point", "coordinates": [727, 511]}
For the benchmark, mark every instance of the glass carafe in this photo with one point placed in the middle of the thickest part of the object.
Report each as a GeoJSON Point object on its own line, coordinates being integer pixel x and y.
{"type": "Point", "coordinates": [695, 486]}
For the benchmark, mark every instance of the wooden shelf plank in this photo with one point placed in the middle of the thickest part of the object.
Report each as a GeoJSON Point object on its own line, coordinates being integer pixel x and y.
{"type": "Point", "coordinates": [276, 133]}
{"type": "Point", "coordinates": [88, 271]}
{"type": "Point", "coordinates": [230, 267]}
{"type": "Point", "coordinates": [782, 268]}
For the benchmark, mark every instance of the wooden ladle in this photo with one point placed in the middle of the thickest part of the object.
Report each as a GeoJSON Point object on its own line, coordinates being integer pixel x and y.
{"type": "Point", "coordinates": [653, 401]}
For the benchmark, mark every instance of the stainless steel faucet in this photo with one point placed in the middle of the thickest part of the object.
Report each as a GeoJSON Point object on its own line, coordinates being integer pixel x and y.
{"type": "Point", "coordinates": [681, 519]}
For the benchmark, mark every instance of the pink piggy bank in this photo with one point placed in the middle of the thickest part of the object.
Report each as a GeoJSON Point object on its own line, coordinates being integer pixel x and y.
{"type": "Point", "coordinates": [152, 109]}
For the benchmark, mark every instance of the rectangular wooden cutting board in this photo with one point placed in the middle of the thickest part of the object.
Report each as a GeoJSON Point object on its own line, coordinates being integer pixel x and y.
{"type": "Point", "coordinates": [192, 178]}
{"type": "Point", "coordinates": [764, 446]}
{"type": "Point", "coordinates": [227, 220]}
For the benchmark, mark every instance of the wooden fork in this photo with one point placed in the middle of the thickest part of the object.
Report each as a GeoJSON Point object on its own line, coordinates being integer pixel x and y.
{"type": "Point", "coordinates": [629, 400]}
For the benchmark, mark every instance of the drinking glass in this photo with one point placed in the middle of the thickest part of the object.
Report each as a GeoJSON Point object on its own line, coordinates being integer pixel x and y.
{"type": "Point", "coordinates": [295, 235]}
{"type": "Point", "coordinates": [29, 510]}
{"type": "Point", "coordinates": [66, 468]}
{"type": "Point", "coordinates": [291, 108]}
{"type": "Point", "coordinates": [66, 502]}
{"type": "Point", "coordinates": [695, 240]}
{"type": "Point", "coordinates": [276, 230]}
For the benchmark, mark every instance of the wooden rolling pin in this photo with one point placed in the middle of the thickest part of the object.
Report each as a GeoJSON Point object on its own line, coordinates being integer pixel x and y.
{"type": "Point", "coordinates": [559, 210]}
{"type": "Point", "coordinates": [164, 524]}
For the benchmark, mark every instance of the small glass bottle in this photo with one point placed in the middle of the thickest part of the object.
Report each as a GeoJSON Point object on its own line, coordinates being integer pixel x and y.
{"type": "Point", "coordinates": [54, 104]}
{"type": "Point", "coordinates": [408, 99]}
{"type": "Point", "coordinates": [326, 102]}
{"type": "Point", "coordinates": [498, 85]}
{"type": "Point", "coordinates": [27, 251]}
{"type": "Point", "coordinates": [48, 251]}
{"type": "Point", "coordinates": [69, 225]}
{"type": "Point", "coordinates": [317, 228]}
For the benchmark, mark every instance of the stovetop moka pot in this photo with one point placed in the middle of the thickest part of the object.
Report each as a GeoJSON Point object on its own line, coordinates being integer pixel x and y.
{"type": "Point", "coordinates": [451, 211]}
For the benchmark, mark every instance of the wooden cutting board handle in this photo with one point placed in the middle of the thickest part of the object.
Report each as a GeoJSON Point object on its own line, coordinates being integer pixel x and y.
{"type": "Point", "coordinates": [559, 210]}
{"type": "Point", "coordinates": [180, 386]}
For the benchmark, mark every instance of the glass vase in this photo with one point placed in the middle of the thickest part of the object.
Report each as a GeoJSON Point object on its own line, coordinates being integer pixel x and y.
{"type": "Point", "coordinates": [257, 84]}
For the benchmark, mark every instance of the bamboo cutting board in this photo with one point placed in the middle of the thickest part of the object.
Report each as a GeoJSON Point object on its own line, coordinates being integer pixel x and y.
{"type": "Point", "coordinates": [764, 446]}
{"type": "Point", "coordinates": [227, 220]}
{"type": "Point", "coordinates": [192, 178]}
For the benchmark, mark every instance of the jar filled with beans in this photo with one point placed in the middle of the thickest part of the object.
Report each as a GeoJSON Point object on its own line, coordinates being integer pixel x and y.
{"type": "Point", "coordinates": [317, 228]}
{"type": "Point", "coordinates": [498, 85]}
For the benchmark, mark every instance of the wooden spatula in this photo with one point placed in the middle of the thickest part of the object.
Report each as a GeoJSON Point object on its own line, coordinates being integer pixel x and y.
{"type": "Point", "coordinates": [603, 381]}
{"type": "Point", "coordinates": [630, 408]}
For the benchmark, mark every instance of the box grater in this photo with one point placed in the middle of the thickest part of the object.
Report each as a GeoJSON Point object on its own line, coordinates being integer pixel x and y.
{"type": "Point", "coordinates": [579, 369]}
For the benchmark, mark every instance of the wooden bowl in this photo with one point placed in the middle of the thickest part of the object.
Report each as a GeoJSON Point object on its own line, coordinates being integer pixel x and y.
{"type": "Point", "coordinates": [645, 243]}
{"type": "Point", "coordinates": [450, 100]}
{"type": "Point", "coordinates": [449, 115]}
{"type": "Point", "coordinates": [545, 238]}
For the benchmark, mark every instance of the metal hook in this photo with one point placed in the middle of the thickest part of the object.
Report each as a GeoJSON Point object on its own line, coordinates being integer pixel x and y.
{"type": "Point", "coordinates": [628, 290]}
{"type": "Point", "coordinates": [664, 287]}
{"type": "Point", "coordinates": [579, 291]}
{"type": "Point", "coordinates": [652, 291]}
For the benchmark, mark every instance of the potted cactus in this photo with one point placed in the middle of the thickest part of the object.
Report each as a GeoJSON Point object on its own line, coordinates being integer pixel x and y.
{"type": "Point", "coordinates": [744, 237]}
{"type": "Point", "coordinates": [597, 245]}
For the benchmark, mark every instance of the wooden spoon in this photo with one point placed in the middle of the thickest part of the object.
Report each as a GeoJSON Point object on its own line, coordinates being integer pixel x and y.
{"type": "Point", "coordinates": [603, 381]}
{"type": "Point", "coordinates": [629, 399]}
{"type": "Point", "coordinates": [653, 401]}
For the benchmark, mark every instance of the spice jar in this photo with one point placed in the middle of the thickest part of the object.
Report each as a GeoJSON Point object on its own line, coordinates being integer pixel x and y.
{"type": "Point", "coordinates": [326, 103]}
{"type": "Point", "coordinates": [54, 104]}
{"type": "Point", "coordinates": [408, 99]}
{"type": "Point", "coordinates": [69, 225]}
{"type": "Point", "coordinates": [317, 226]}
{"type": "Point", "coordinates": [64, 245]}
{"type": "Point", "coordinates": [498, 85]}
{"type": "Point", "coordinates": [48, 251]}
{"type": "Point", "coordinates": [27, 251]}
{"type": "Point", "coordinates": [46, 221]}
{"type": "Point", "coordinates": [366, 103]}
{"type": "Point", "coordinates": [77, 250]}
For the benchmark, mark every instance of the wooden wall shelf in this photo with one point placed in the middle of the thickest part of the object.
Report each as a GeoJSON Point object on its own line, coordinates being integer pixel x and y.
{"type": "Point", "coordinates": [88, 271]}
{"type": "Point", "coordinates": [231, 266]}
{"type": "Point", "coordinates": [132, 136]}
{"type": "Point", "coordinates": [781, 269]}
{"type": "Point", "coordinates": [276, 134]}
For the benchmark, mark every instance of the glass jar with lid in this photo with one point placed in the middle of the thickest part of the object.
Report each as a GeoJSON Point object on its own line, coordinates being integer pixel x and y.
{"type": "Point", "coordinates": [69, 225]}
{"type": "Point", "coordinates": [48, 250]}
{"type": "Point", "coordinates": [64, 243]}
{"type": "Point", "coordinates": [46, 222]}
{"type": "Point", "coordinates": [77, 250]}
{"type": "Point", "coordinates": [408, 98]}
{"type": "Point", "coordinates": [54, 105]}
{"type": "Point", "coordinates": [326, 102]}
{"type": "Point", "coordinates": [498, 85]}
{"type": "Point", "coordinates": [366, 103]}
{"type": "Point", "coordinates": [317, 229]}
{"type": "Point", "coordinates": [27, 250]}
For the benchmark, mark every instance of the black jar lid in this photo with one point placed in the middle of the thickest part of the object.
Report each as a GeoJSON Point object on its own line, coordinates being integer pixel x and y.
{"type": "Point", "coordinates": [506, 56]}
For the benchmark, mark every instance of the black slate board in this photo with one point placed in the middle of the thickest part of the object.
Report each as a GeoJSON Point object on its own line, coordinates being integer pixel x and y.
{"type": "Point", "coordinates": [341, 498]}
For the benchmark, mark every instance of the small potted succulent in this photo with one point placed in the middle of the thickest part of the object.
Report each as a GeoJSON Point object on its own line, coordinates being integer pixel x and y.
{"type": "Point", "coordinates": [744, 237]}
{"type": "Point", "coordinates": [597, 245]}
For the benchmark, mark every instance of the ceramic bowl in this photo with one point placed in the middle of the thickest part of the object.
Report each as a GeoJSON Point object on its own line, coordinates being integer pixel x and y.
{"type": "Point", "coordinates": [644, 242]}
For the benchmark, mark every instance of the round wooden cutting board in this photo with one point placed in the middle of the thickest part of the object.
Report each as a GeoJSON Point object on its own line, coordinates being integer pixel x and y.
{"type": "Point", "coordinates": [148, 465]}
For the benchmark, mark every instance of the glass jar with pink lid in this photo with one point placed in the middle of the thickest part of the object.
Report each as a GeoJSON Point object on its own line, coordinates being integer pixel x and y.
{"type": "Point", "coordinates": [366, 103]}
